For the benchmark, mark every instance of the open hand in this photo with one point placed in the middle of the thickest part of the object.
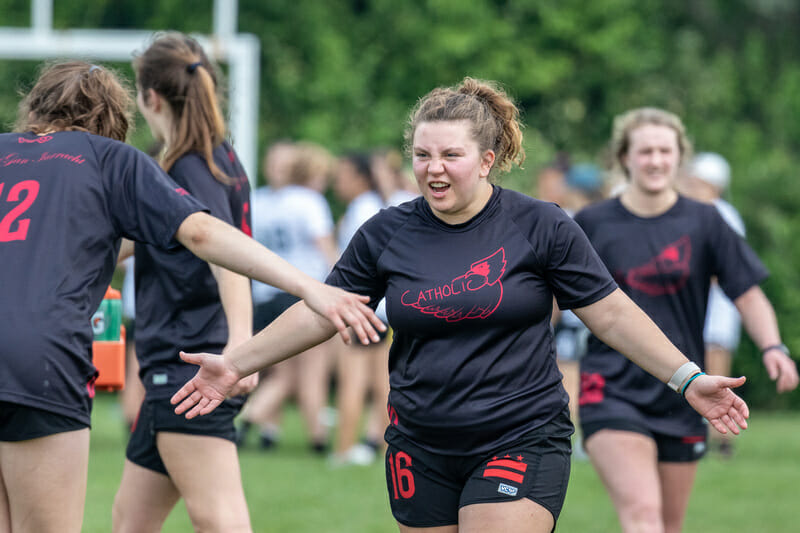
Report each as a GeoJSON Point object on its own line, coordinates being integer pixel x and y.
{"type": "Point", "coordinates": [208, 388]}
{"type": "Point", "coordinates": [345, 309]}
{"type": "Point", "coordinates": [712, 397]}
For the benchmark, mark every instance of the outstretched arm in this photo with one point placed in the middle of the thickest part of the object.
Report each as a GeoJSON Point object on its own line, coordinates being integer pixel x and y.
{"type": "Point", "coordinates": [217, 242]}
{"type": "Point", "coordinates": [294, 331]}
{"type": "Point", "coordinates": [237, 304]}
{"type": "Point", "coordinates": [620, 323]}
{"type": "Point", "coordinates": [759, 320]}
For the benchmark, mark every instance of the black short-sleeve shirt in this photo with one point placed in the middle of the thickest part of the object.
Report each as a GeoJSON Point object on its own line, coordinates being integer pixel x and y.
{"type": "Point", "coordinates": [177, 298]}
{"type": "Point", "coordinates": [472, 362]}
{"type": "Point", "coordinates": [66, 199]}
{"type": "Point", "coordinates": [665, 264]}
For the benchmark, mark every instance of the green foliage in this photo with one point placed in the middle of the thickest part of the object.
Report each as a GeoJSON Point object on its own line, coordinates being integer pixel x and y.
{"type": "Point", "coordinates": [346, 72]}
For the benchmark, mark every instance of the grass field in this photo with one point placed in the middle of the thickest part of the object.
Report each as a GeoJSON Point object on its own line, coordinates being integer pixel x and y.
{"type": "Point", "coordinates": [288, 490]}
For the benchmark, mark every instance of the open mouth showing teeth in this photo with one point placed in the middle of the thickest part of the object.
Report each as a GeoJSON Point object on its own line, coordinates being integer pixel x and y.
{"type": "Point", "coordinates": [439, 186]}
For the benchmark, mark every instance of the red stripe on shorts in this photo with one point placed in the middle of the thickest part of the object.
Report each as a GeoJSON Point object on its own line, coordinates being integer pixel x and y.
{"type": "Point", "coordinates": [504, 474]}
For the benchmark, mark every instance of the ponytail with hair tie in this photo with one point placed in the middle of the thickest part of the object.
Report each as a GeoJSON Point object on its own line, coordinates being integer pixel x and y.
{"type": "Point", "coordinates": [191, 67]}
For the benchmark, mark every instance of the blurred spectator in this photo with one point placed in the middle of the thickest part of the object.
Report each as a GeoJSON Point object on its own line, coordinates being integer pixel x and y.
{"type": "Point", "coordinates": [361, 370]}
{"type": "Point", "coordinates": [585, 185]}
{"type": "Point", "coordinates": [394, 184]}
{"type": "Point", "coordinates": [292, 218]}
{"type": "Point", "coordinates": [132, 394]}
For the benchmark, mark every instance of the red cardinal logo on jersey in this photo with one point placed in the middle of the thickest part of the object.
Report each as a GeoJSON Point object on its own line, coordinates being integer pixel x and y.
{"type": "Point", "coordinates": [666, 273]}
{"type": "Point", "coordinates": [474, 294]}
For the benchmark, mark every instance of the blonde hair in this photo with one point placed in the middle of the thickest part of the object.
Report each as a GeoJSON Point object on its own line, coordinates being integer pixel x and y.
{"type": "Point", "coordinates": [493, 115]}
{"type": "Point", "coordinates": [176, 67]}
{"type": "Point", "coordinates": [77, 96]}
{"type": "Point", "coordinates": [625, 123]}
{"type": "Point", "coordinates": [309, 162]}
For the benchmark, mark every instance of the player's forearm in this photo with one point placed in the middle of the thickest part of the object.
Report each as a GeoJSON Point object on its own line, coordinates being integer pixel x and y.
{"type": "Point", "coordinates": [294, 331]}
{"type": "Point", "coordinates": [236, 300]}
{"type": "Point", "coordinates": [217, 242]}
{"type": "Point", "coordinates": [620, 323]}
{"type": "Point", "coordinates": [758, 317]}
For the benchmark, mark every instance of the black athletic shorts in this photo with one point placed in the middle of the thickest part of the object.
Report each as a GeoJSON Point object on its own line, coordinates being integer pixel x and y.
{"type": "Point", "coordinates": [20, 422]}
{"type": "Point", "coordinates": [427, 489]}
{"type": "Point", "coordinates": [158, 415]}
{"type": "Point", "coordinates": [671, 449]}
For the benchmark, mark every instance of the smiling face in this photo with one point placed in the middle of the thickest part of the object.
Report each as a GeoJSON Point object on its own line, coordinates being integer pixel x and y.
{"type": "Point", "coordinates": [450, 169]}
{"type": "Point", "coordinates": [653, 158]}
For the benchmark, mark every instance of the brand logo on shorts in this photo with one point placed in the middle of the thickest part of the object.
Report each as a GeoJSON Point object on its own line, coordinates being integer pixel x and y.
{"type": "Point", "coordinates": [699, 448]}
{"type": "Point", "coordinates": [507, 489]}
{"type": "Point", "coordinates": [159, 379]}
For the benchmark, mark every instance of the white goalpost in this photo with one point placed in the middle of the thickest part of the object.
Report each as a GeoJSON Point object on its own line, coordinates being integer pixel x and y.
{"type": "Point", "coordinates": [239, 51]}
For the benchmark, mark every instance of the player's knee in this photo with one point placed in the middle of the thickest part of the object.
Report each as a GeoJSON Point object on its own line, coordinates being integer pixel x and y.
{"type": "Point", "coordinates": [642, 517]}
{"type": "Point", "coordinates": [218, 519]}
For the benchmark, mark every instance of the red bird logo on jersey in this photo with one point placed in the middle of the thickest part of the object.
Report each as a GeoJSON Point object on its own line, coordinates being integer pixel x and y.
{"type": "Point", "coordinates": [666, 273]}
{"type": "Point", "coordinates": [474, 294]}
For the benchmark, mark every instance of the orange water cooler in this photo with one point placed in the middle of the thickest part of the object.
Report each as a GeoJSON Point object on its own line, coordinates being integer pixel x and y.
{"type": "Point", "coordinates": [108, 347]}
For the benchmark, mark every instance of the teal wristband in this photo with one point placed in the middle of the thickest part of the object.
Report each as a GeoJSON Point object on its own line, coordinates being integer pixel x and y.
{"type": "Point", "coordinates": [686, 385]}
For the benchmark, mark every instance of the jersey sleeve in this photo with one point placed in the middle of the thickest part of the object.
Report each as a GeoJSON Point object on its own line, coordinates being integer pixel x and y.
{"type": "Point", "coordinates": [357, 269]}
{"type": "Point", "coordinates": [144, 203]}
{"type": "Point", "coordinates": [575, 273]}
{"type": "Point", "coordinates": [734, 262]}
{"type": "Point", "coordinates": [191, 173]}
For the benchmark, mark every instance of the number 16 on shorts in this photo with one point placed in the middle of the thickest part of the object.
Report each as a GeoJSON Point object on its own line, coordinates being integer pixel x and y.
{"type": "Point", "coordinates": [402, 476]}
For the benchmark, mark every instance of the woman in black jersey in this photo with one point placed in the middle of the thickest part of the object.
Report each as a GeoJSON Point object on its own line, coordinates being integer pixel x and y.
{"type": "Point", "coordinates": [663, 250]}
{"type": "Point", "coordinates": [182, 300]}
{"type": "Point", "coordinates": [69, 191]}
{"type": "Point", "coordinates": [479, 438]}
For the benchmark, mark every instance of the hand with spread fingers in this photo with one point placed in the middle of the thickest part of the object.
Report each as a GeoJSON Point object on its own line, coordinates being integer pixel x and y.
{"type": "Point", "coordinates": [208, 388]}
{"type": "Point", "coordinates": [345, 309]}
{"type": "Point", "coordinates": [712, 397]}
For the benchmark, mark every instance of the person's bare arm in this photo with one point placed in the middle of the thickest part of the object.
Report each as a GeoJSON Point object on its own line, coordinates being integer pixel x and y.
{"type": "Point", "coordinates": [217, 242]}
{"type": "Point", "coordinates": [621, 324]}
{"type": "Point", "coordinates": [237, 304]}
{"type": "Point", "coordinates": [294, 331]}
{"type": "Point", "coordinates": [758, 317]}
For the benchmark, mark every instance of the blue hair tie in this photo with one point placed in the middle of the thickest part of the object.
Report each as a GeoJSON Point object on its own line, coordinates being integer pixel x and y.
{"type": "Point", "coordinates": [191, 67]}
{"type": "Point", "coordinates": [94, 67]}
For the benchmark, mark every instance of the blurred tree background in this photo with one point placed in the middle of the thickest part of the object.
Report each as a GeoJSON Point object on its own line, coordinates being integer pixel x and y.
{"type": "Point", "coordinates": [344, 73]}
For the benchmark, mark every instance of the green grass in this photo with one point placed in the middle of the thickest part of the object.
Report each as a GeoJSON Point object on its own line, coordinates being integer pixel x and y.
{"type": "Point", "coordinates": [289, 490]}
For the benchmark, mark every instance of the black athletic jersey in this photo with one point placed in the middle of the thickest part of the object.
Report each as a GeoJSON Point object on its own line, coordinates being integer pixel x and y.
{"type": "Point", "coordinates": [177, 298]}
{"type": "Point", "coordinates": [665, 264]}
{"type": "Point", "coordinates": [472, 363]}
{"type": "Point", "coordinates": [66, 199]}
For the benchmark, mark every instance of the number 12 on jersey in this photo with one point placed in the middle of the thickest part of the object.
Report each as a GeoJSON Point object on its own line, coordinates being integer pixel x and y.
{"type": "Point", "coordinates": [25, 193]}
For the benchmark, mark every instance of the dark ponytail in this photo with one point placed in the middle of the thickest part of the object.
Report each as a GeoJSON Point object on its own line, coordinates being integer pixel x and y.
{"type": "Point", "coordinates": [176, 67]}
